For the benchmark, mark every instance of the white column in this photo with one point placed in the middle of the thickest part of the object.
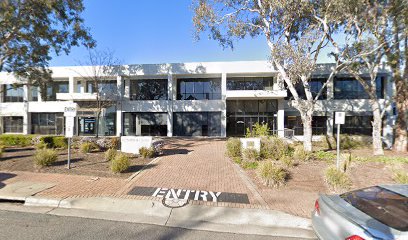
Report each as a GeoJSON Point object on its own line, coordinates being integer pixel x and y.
{"type": "Point", "coordinates": [170, 105]}
{"type": "Point", "coordinates": [330, 90]}
{"type": "Point", "coordinates": [71, 85]}
{"type": "Point", "coordinates": [119, 105]}
{"type": "Point", "coordinates": [281, 118]}
{"type": "Point", "coordinates": [26, 116]}
{"type": "Point", "coordinates": [224, 100]}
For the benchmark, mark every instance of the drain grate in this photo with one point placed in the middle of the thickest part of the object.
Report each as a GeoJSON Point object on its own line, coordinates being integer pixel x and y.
{"type": "Point", "coordinates": [174, 202]}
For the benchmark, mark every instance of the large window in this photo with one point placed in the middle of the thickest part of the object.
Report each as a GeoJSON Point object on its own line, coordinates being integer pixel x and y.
{"type": "Point", "coordinates": [47, 123]}
{"type": "Point", "coordinates": [199, 89]}
{"type": "Point", "coordinates": [13, 93]}
{"type": "Point", "coordinates": [250, 83]}
{"type": "Point", "coordinates": [197, 124]}
{"type": "Point", "coordinates": [319, 124]}
{"type": "Point", "coordinates": [315, 85]}
{"type": "Point", "coordinates": [56, 87]}
{"type": "Point", "coordinates": [145, 124]}
{"type": "Point", "coordinates": [360, 125]}
{"type": "Point", "coordinates": [349, 88]}
{"type": "Point", "coordinates": [13, 124]}
{"type": "Point", "coordinates": [148, 89]}
{"type": "Point", "coordinates": [34, 93]}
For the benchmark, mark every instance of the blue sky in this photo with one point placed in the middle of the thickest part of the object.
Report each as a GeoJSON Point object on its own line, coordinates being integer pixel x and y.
{"type": "Point", "coordinates": [154, 32]}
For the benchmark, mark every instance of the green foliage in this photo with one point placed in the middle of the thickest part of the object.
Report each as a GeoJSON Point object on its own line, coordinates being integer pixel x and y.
{"type": "Point", "coordinates": [274, 148]}
{"type": "Point", "coordinates": [287, 161]}
{"type": "Point", "coordinates": [347, 142]}
{"type": "Point", "coordinates": [234, 147]}
{"type": "Point", "coordinates": [1, 149]}
{"type": "Point", "coordinates": [120, 163]}
{"type": "Point", "coordinates": [337, 179]}
{"type": "Point", "coordinates": [147, 152]}
{"type": "Point", "coordinates": [45, 157]}
{"type": "Point", "coordinates": [54, 141]}
{"type": "Point", "coordinates": [272, 175]}
{"type": "Point", "coordinates": [249, 165]}
{"type": "Point", "coordinates": [381, 159]}
{"type": "Point", "coordinates": [87, 147]}
{"type": "Point", "coordinates": [258, 130]}
{"type": "Point", "coordinates": [237, 160]}
{"type": "Point", "coordinates": [10, 140]}
{"type": "Point", "coordinates": [301, 155]}
{"type": "Point", "coordinates": [250, 155]}
{"type": "Point", "coordinates": [110, 154]}
{"type": "Point", "coordinates": [400, 176]}
{"type": "Point", "coordinates": [325, 156]}
{"type": "Point", "coordinates": [41, 145]}
{"type": "Point", "coordinates": [32, 31]}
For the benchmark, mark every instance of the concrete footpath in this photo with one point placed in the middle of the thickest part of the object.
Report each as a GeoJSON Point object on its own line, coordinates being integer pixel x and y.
{"type": "Point", "coordinates": [196, 217]}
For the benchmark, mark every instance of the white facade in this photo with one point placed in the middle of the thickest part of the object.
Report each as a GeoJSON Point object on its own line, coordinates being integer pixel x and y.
{"type": "Point", "coordinates": [172, 106]}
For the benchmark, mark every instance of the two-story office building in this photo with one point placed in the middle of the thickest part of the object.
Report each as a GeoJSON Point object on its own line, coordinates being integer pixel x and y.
{"type": "Point", "coordinates": [185, 99]}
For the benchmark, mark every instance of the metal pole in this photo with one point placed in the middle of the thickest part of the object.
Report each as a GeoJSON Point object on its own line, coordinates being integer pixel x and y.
{"type": "Point", "coordinates": [69, 153]}
{"type": "Point", "coordinates": [338, 147]}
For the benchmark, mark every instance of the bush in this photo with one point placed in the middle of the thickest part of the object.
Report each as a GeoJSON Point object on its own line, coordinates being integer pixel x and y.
{"type": "Point", "coordinates": [274, 148]}
{"type": "Point", "coordinates": [301, 155]}
{"type": "Point", "coordinates": [271, 174]}
{"type": "Point", "coordinates": [45, 157]}
{"type": "Point", "coordinates": [9, 140]}
{"type": "Point", "coordinates": [120, 163]}
{"type": "Point", "coordinates": [287, 161]}
{"type": "Point", "coordinates": [88, 147]}
{"type": "Point", "coordinates": [114, 142]}
{"type": "Point", "coordinates": [336, 179]}
{"type": "Point", "coordinates": [348, 142]}
{"type": "Point", "coordinates": [1, 149]}
{"type": "Point", "coordinates": [400, 176]}
{"type": "Point", "coordinates": [258, 130]}
{"type": "Point", "coordinates": [41, 145]}
{"type": "Point", "coordinates": [110, 154]}
{"type": "Point", "coordinates": [53, 142]}
{"type": "Point", "coordinates": [250, 155]}
{"type": "Point", "coordinates": [249, 165]}
{"type": "Point", "coordinates": [237, 160]}
{"type": "Point", "coordinates": [233, 147]}
{"type": "Point", "coordinates": [146, 152]}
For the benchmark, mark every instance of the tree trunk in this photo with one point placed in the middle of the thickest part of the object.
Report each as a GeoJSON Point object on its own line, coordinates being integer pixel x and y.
{"type": "Point", "coordinates": [377, 139]}
{"type": "Point", "coordinates": [307, 131]}
{"type": "Point", "coordinates": [401, 99]}
{"type": "Point", "coordinates": [98, 116]}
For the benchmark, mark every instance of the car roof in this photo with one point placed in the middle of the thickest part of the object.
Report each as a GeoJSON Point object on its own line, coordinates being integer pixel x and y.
{"type": "Point", "coordinates": [401, 189]}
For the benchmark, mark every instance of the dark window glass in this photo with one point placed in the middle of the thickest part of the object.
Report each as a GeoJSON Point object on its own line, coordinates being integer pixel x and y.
{"type": "Point", "coordinates": [315, 85]}
{"type": "Point", "coordinates": [13, 93]}
{"type": "Point", "coordinates": [56, 87]}
{"type": "Point", "coordinates": [197, 124]}
{"type": "Point", "coordinates": [34, 93]}
{"type": "Point", "coordinates": [383, 205]}
{"type": "Point", "coordinates": [349, 88]}
{"type": "Point", "coordinates": [319, 124]}
{"type": "Point", "coordinates": [250, 83]}
{"type": "Point", "coordinates": [145, 124]}
{"type": "Point", "coordinates": [356, 125]}
{"type": "Point", "coordinates": [108, 90]}
{"type": "Point", "coordinates": [13, 124]}
{"type": "Point", "coordinates": [199, 89]}
{"type": "Point", "coordinates": [78, 86]}
{"type": "Point", "coordinates": [148, 89]}
{"type": "Point", "coordinates": [47, 123]}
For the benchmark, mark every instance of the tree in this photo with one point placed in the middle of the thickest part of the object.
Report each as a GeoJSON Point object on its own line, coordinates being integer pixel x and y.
{"type": "Point", "coordinates": [296, 33]}
{"type": "Point", "coordinates": [31, 30]}
{"type": "Point", "coordinates": [98, 69]}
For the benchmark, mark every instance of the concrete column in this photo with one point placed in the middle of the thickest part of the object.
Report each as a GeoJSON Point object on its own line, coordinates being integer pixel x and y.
{"type": "Point", "coordinates": [26, 120]}
{"type": "Point", "coordinates": [281, 118]}
{"type": "Point", "coordinates": [71, 84]}
{"type": "Point", "coordinates": [224, 109]}
{"type": "Point", "coordinates": [119, 105]}
{"type": "Point", "coordinates": [170, 105]}
{"type": "Point", "coordinates": [329, 123]}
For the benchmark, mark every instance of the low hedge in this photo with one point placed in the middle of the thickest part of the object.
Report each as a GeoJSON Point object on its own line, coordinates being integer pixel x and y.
{"type": "Point", "coordinates": [54, 141]}
{"type": "Point", "coordinates": [9, 140]}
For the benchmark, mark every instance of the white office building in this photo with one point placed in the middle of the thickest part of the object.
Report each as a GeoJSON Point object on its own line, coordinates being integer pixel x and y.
{"type": "Point", "coordinates": [185, 99]}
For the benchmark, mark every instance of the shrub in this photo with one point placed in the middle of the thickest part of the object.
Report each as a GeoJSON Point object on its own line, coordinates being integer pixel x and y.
{"type": "Point", "coordinates": [274, 148]}
{"type": "Point", "coordinates": [336, 179]}
{"type": "Point", "coordinates": [41, 145]}
{"type": "Point", "coordinates": [114, 142]}
{"type": "Point", "coordinates": [400, 176]}
{"type": "Point", "coordinates": [301, 155]}
{"type": "Point", "coordinates": [249, 165]}
{"type": "Point", "coordinates": [271, 174]}
{"type": "Point", "coordinates": [348, 142]}
{"type": "Point", "coordinates": [120, 163]}
{"type": "Point", "coordinates": [110, 154]}
{"type": "Point", "coordinates": [88, 147]}
{"type": "Point", "coordinates": [45, 157]}
{"type": "Point", "coordinates": [234, 147]}
{"type": "Point", "coordinates": [1, 149]}
{"type": "Point", "coordinates": [287, 161]}
{"type": "Point", "coordinates": [258, 130]}
{"type": "Point", "coordinates": [9, 140]}
{"type": "Point", "coordinates": [146, 152]}
{"type": "Point", "coordinates": [237, 160]}
{"type": "Point", "coordinates": [250, 155]}
{"type": "Point", "coordinates": [325, 156]}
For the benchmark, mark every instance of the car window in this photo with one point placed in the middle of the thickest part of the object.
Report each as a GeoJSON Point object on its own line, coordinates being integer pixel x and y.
{"type": "Point", "coordinates": [385, 206]}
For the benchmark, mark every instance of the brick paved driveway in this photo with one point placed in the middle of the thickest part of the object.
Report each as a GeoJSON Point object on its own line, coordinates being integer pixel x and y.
{"type": "Point", "coordinates": [194, 163]}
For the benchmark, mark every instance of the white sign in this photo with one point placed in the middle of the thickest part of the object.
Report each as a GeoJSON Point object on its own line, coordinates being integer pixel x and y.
{"type": "Point", "coordinates": [70, 110]}
{"type": "Point", "coordinates": [69, 127]}
{"type": "Point", "coordinates": [340, 117]}
{"type": "Point", "coordinates": [132, 144]}
{"type": "Point", "coordinates": [254, 143]}
{"type": "Point", "coordinates": [186, 194]}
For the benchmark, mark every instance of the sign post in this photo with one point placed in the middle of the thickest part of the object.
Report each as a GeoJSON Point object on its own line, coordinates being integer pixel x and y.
{"type": "Point", "coordinates": [339, 119]}
{"type": "Point", "coordinates": [70, 113]}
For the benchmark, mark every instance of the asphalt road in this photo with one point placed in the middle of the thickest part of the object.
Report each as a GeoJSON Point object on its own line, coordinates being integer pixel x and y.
{"type": "Point", "coordinates": [22, 225]}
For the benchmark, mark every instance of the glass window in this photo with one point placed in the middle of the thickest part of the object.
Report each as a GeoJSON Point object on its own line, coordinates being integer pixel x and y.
{"type": "Point", "coordinates": [34, 93]}
{"type": "Point", "coordinates": [319, 124]}
{"type": "Point", "coordinates": [197, 123]}
{"type": "Point", "coordinates": [13, 124]}
{"type": "Point", "coordinates": [78, 86]}
{"type": "Point", "coordinates": [250, 83]}
{"type": "Point", "coordinates": [47, 123]}
{"type": "Point", "coordinates": [148, 89]}
{"type": "Point", "coordinates": [145, 124]}
{"type": "Point", "coordinates": [199, 89]}
{"type": "Point", "coordinates": [356, 125]}
{"type": "Point", "coordinates": [315, 85]}
{"type": "Point", "coordinates": [13, 93]}
{"type": "Point", "coordinates": [349, 88]}
{"type": "Point", "coordinates": [56, 87]}
{"type": "Point", "coordinates": [108, 90]}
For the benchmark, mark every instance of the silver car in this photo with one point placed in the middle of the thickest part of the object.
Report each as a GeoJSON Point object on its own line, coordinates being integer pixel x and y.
{"type": "Point", "coordinates": [379, 212]}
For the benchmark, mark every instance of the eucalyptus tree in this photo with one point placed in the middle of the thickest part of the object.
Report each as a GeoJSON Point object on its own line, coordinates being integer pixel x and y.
{"type": "Point", "coordinates": [32, 30]}
{"type": "Point", "coordinates": [296, 32]}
